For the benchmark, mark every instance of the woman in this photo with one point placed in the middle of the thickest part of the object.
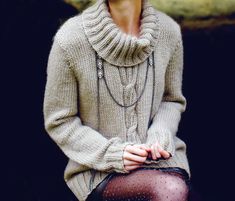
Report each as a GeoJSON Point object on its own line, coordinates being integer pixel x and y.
{"type": "Point", "coordinates": [113, 102]}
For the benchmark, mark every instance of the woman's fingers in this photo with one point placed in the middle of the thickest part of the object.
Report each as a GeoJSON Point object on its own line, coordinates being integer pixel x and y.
{"type": "Point", "coordinates": [133, 157]}
{"type": "Point", "coordinates": [132, 167]}
{"type": "Point", "coordinates": [143, 146]}
{"type": "Point", "coordinates": [155, 151]}
{"type": "Point", "coordinates": [163, 152]}
{"type": "Point", "coordinates": [136, 154]}
{"type": "Point", "coordinates": [135, 149]}
{"type": "Point", "coordinates": [131, 163]}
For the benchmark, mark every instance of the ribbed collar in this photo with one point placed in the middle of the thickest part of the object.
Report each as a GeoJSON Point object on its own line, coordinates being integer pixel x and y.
{"type": "Point", "coordinates": [111, 43]}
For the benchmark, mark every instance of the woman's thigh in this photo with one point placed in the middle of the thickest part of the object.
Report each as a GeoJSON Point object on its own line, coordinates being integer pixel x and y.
{"type": "Point", "coordinates": [144, 185]}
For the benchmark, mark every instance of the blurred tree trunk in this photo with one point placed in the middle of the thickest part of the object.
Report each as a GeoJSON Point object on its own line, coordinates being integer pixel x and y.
{"type": "Point", "coordinates": [191, 14]}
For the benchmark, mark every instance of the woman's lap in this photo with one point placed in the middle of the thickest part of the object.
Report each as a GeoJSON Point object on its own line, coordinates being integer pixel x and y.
{"type": "Point", "coordinates": [141, 184]}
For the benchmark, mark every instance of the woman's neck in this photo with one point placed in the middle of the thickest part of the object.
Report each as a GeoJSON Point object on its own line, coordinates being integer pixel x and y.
{"type": "Point", "coordinates": [126, 14]}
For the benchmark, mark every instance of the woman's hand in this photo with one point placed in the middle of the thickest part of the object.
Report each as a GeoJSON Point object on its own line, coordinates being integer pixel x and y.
{"type": "Point", "coordinates": [157, 151]}
{"type": "Point", "coordinates": [135, 155]}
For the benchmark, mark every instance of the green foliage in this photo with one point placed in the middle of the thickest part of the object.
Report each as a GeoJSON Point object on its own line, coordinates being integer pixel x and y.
{"type": "Point", "coordinates": [195, 8]}
{"type": "Point", "coordinates": [80, 4]}
{"type": "Point", "coordinates": [181, 8]}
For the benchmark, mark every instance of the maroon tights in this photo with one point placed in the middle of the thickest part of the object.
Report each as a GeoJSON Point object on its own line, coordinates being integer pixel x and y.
{"type": "Point", "coordinates": [145, 185]}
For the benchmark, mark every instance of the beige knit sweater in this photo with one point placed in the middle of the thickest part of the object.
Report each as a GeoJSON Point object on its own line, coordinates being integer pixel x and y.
{"type": "Point", "coordinates": [70, 101]}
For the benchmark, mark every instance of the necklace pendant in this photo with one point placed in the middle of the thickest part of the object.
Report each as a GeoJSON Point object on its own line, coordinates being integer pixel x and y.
{"type": "Point", "coordinates": [100, 73]}
{"type": "Point", "coordinates": [150, 61]}
{"type": "Point", "coordinates": [99, 64]}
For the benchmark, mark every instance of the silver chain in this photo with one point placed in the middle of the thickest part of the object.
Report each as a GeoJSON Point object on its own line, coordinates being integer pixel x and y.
{"type": "Point", "coordinates": [101, 74]}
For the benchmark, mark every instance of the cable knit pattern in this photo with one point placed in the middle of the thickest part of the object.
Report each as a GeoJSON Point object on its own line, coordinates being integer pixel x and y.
{"type": "Point", "coordinates": [70, 101]}
{"type": "Point", "coordinates": [129, 76]}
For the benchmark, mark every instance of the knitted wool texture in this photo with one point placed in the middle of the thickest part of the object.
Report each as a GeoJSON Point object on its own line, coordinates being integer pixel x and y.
{"type": "Point", "coordinates": [70, 99]}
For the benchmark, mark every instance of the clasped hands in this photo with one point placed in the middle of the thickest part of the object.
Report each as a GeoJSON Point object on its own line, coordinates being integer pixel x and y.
{"type": "Point", "coordinates": [135, 155]}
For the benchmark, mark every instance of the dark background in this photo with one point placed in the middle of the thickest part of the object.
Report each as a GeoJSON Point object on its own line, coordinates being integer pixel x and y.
{"type": "Point", "coordinates": [35, 165]}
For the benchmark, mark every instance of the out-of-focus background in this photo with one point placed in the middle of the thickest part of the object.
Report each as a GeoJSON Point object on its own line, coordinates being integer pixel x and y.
{"type": "Point", "coordinates": [35, 165]}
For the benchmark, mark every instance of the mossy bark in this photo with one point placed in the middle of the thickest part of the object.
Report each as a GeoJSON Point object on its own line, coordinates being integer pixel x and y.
{"type": "Point", "coordinates": [195, 8]}
{"type": "Point", "coordinates": [191, 14]}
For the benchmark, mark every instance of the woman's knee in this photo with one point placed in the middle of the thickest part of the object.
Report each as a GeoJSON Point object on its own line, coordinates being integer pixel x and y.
{"type": "Point", "coordinates": [169, 187]}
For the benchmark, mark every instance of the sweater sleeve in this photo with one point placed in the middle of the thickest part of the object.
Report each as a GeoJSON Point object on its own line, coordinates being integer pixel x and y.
{"type": "Point", "coordinates": [165, 122]}
{"type": "Point", "coordinates": [78, 142]}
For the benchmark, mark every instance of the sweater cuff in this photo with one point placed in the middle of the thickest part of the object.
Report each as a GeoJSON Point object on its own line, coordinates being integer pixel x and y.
{"type": "Point", "coordinates": [115, 157]}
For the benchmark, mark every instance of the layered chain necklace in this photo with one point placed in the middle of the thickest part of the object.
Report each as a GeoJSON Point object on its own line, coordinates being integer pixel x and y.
{"type": "Point", "coordinates": [101, 75]}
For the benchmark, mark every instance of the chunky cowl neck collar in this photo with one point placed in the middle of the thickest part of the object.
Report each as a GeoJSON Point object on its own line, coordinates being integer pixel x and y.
{"type": "Point", "coordinates": [111, 43]}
